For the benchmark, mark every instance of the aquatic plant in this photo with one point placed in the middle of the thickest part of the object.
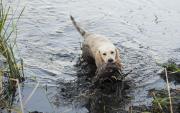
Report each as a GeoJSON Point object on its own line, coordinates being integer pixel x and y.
{"type": "Point", "coordinates": [161, 102]}
{"type": "Point", "coordinates": [11, 70]}
{"type": "Point", "coordinates": [166, 101]}
{"type": "Point", "coordinates": [171, 66]}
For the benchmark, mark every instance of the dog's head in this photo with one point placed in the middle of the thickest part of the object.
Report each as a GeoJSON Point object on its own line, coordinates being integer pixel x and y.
{"type": "Point", "coordinates": [108, 55]}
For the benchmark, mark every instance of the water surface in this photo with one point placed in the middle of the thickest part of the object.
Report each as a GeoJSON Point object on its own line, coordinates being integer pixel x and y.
{"type": "Point", "coordinates": [146, 32]}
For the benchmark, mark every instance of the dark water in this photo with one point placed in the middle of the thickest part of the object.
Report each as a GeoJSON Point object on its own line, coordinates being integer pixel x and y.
{"type": "Point", "coordinates": [146, 31]}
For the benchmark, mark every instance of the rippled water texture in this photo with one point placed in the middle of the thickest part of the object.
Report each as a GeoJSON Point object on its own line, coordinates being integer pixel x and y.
{"type": "Point", "coordinates": [146, 32]}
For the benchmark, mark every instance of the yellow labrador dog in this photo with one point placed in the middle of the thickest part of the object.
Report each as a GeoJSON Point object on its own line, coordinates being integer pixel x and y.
{"type": "Point", "coordinates": [99, 48]}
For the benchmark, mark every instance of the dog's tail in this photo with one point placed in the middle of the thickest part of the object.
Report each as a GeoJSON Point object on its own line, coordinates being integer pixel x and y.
{"type": "Point", "coordinates": [79, 29]}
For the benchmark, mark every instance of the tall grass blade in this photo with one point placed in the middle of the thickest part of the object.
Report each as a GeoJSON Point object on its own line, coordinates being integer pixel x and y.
{"type": "Point", "coordinates": [169, 93]}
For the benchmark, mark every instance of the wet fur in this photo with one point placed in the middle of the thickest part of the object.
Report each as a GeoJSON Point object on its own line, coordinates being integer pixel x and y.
{"type": "Point", "coordinates": [92, 44]}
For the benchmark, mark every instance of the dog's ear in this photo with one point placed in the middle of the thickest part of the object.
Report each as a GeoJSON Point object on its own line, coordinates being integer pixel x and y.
{"type": "Point", "coordinates": [118, 60]}
{"type": "Point", "coordinates": [98, 59]}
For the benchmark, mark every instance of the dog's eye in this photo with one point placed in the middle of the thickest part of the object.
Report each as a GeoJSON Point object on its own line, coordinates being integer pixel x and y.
{"type": "Point", "coordinates": [112, 52]}
{"type": "Point", "coordinates": [104, 54]}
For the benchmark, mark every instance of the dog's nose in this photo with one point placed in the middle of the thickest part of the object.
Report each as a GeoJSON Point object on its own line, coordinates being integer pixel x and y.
{"type": "Point", "coordinates": [110, 60]}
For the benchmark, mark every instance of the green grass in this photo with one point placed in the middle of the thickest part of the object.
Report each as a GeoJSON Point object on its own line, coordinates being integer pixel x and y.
{"type": "Point", "coordinates": [161, 101]}
{"type": "Point", "coordinates": [11, 68]}
{"type": "Point", "coordinates": [170, 66]}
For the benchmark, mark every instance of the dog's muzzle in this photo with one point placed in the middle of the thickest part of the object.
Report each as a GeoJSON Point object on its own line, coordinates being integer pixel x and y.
{"type": "Point", "coordinates": [110, 60]}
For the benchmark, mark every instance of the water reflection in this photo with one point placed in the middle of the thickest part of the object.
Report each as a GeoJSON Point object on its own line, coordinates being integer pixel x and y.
{"type": "Point", "coordinates": [108, 97]}
{"type": "Point", "coordinates": [111, 98]}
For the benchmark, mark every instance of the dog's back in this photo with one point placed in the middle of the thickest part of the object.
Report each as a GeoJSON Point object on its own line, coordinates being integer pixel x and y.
{"type": "Point", "coordinates": [93, 41]}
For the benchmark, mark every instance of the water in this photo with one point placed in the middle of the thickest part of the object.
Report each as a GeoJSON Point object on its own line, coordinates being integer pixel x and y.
{"type": "Point", "coordinates": [146, 32]}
